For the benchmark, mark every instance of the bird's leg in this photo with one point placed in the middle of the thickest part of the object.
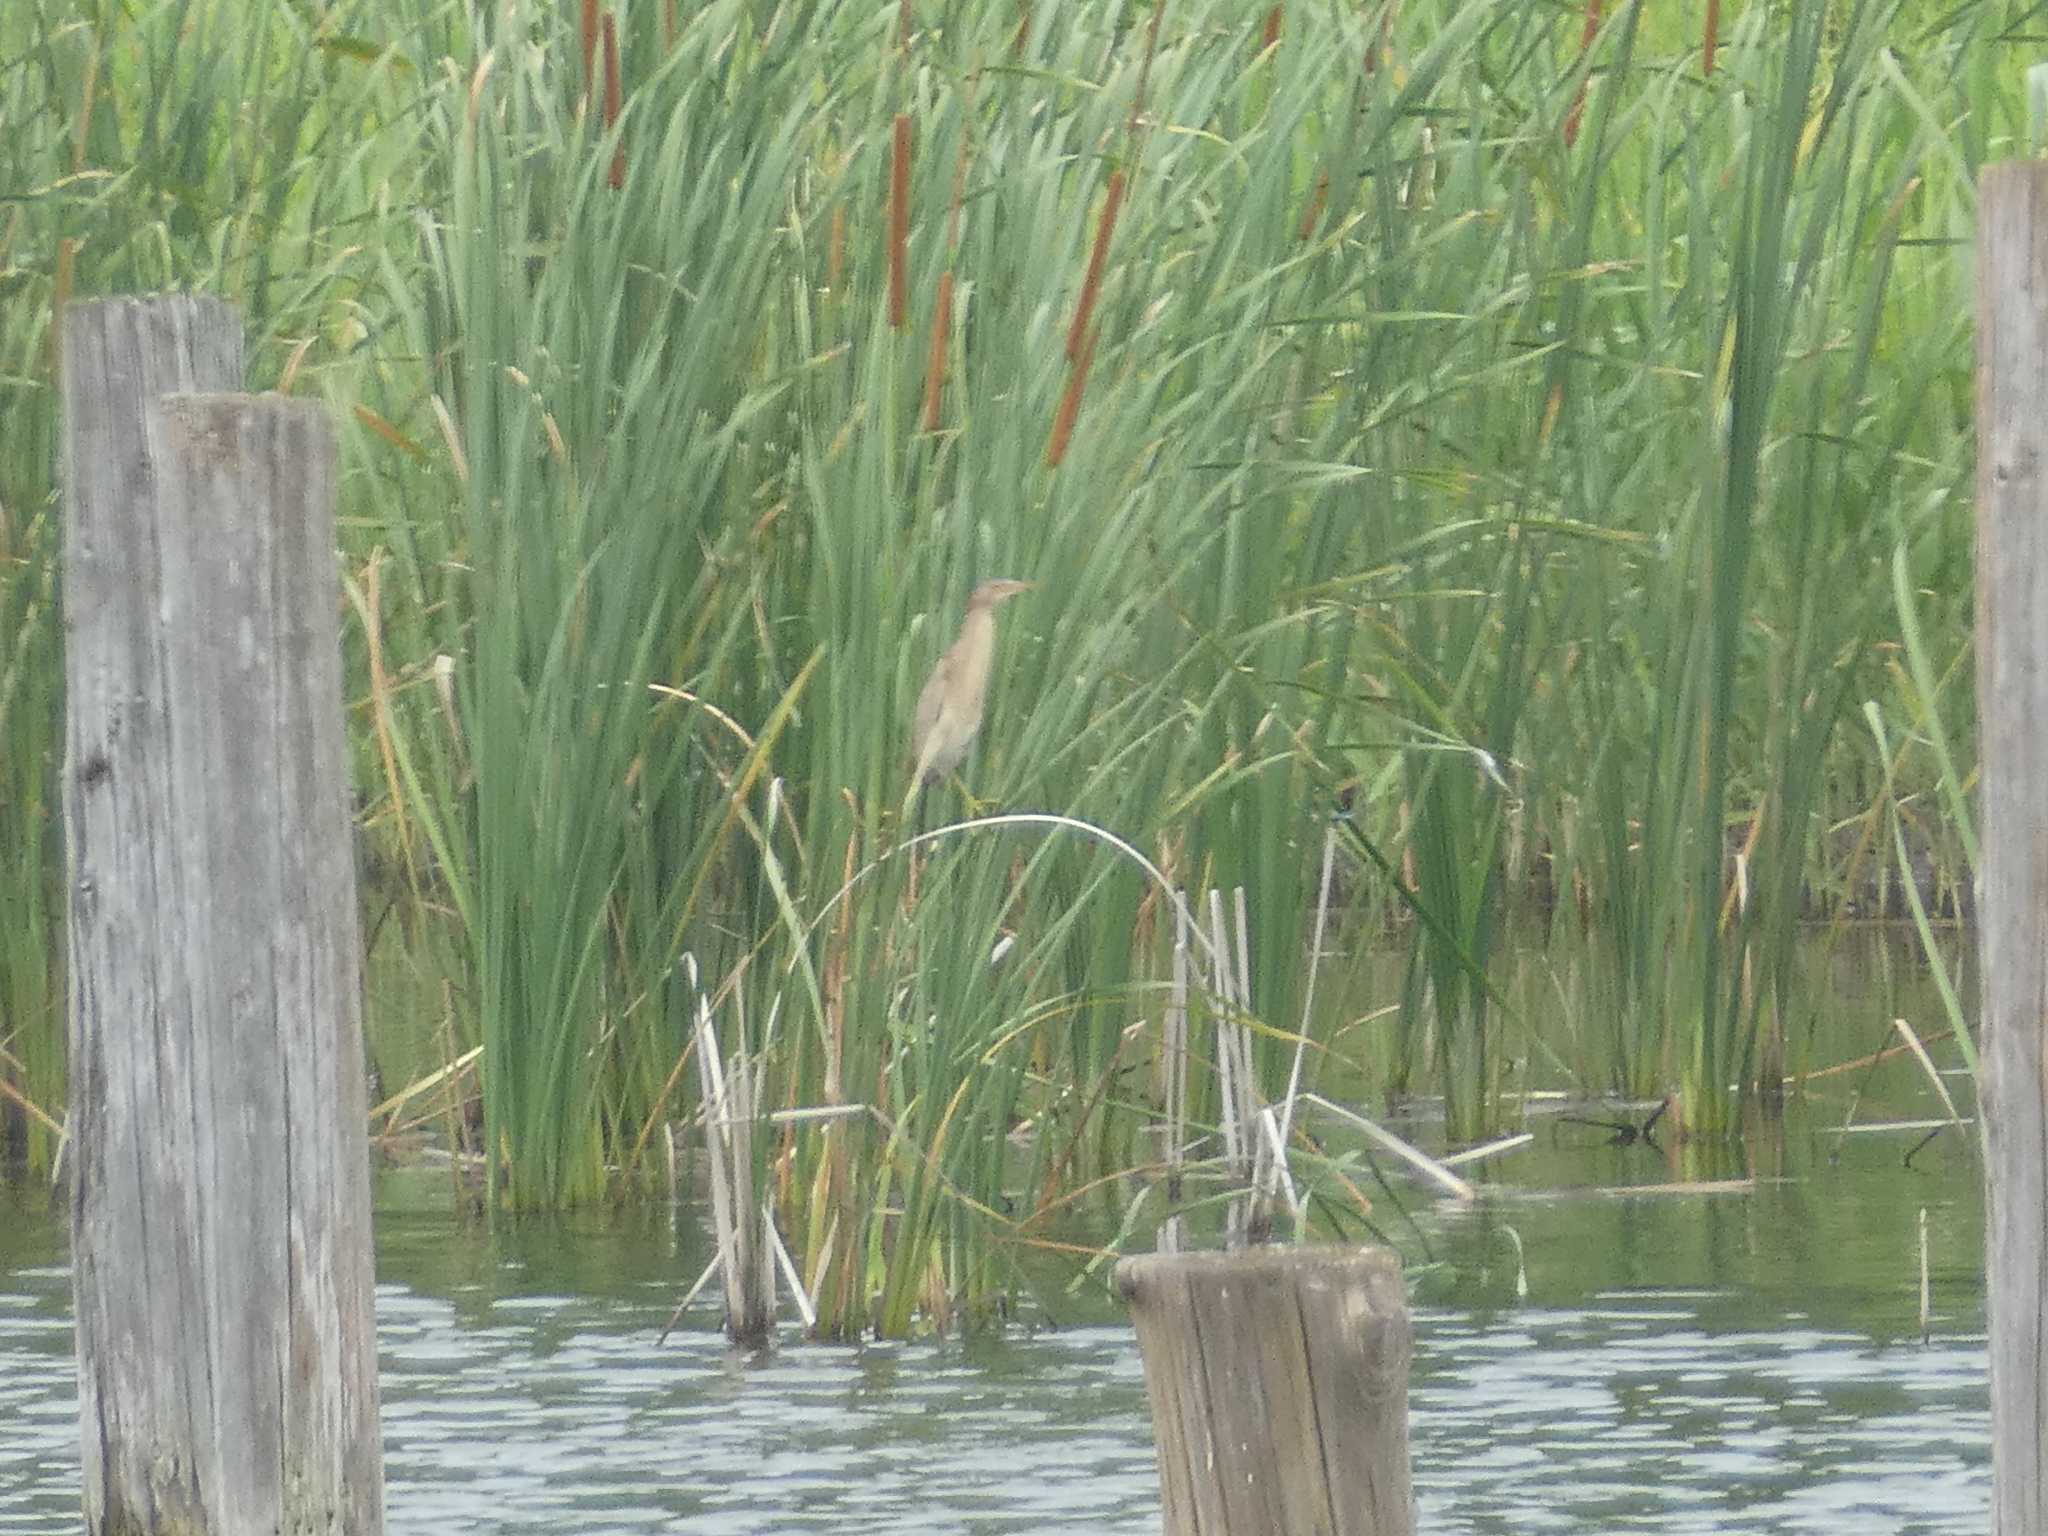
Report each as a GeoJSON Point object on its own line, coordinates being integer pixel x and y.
{"type": "Point", "coordinates": [975, 806]}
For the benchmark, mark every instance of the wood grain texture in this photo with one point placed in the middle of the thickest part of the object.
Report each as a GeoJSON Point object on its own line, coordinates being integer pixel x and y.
{"type": "Point", "coordinates": [220, 1182]}
{"type": "Point", "coordinates": [1278, 1379]}
{"type": "Point", "coordinates": [2012, 694]}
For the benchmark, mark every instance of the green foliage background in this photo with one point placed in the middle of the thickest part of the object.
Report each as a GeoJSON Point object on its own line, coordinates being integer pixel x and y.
{"type": "Point", "coordinates": [1511, 427]}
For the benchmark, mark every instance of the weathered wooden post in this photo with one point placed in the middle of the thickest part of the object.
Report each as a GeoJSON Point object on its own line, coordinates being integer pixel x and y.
{"type": "Point", "coordinates": [1279, 1386]}
{"type": "Point", "coordinates": [2012, 915]}
{"type": "Point", "coordinates": [220, 1183]}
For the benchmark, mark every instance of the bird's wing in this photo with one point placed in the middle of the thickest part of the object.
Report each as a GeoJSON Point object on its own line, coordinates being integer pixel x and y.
{"type": "Point", "coordinates": [929, 704]}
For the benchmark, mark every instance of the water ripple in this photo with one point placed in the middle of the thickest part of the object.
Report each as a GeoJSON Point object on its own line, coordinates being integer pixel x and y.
{"type": "Point", "coordinates": [544, 1413]}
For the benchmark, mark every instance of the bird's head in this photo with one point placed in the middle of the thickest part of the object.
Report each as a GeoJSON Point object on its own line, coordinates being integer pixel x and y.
{"type": "Point", "coordinates": [990, 593]}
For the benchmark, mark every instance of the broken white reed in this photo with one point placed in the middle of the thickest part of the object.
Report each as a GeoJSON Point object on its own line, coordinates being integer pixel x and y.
{"type": "Point", "coordinates": [1174, 1047]}
{"type": "Point", "coordinates": [1491, 1149]}
{"type": "Point", "coordinates": [1240, 1035]}
{"type": "Point", "coordinates": [1244, 1151]}
{"type": "Point", "coordinates": [1414, 1157]}
{"type": "Point", "coordinates": [796, 1284]}
{"type": "Point", "coordinates": [1927, 1065]}
{"type": "Point", "coordinates": [1308, 1004]}
{"type": "Point", "coordinates": [737, 1213]}
{"type": "Point", "coordinates": [1272, 1178]}
{"type": "Point", "coordinates": [1224, 988]}
{"type": "Point", "coordinates": [1268, 1146]}
{"type": "Point", "coordinates": [1926, 1290]}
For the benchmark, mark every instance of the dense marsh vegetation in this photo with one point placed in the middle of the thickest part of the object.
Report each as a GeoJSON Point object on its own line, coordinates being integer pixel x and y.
{"type": "Point", "coordinates": [1542, 432]}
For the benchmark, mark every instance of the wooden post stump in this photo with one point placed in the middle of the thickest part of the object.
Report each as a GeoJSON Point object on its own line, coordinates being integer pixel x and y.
{"type": "Point", "coordinates": [1279, 1386]}
{"type": "Point", "coordinates": [2012, 924]}
{"type": "Point", "coordinates": [219, 1164]}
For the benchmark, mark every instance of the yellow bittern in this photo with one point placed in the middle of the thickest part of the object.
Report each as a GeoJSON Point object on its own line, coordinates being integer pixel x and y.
{"type": "Point", "coordinates": [949, 710]}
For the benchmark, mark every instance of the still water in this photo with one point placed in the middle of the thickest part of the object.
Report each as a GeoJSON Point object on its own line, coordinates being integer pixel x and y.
{"type": "Point", "coordinates": [1587, 1359]}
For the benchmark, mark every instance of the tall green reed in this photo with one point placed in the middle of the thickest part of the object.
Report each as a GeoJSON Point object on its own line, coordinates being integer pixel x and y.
{"type": "Point", "coordinates": [1521, 484]}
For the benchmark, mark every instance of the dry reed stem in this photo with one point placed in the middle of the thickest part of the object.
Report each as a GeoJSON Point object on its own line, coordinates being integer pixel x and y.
{"type": "Point", "coordinates": [1070, 405]}
{"type": "Point", "coordinates": [1023, 33]}
{"type": "Point", "coordinates": [454, 1103]}
{"type": "Point", "coordinates": [60, 295]}
{"type": "Point", "coordinates": [1926, 1287]}
{"type": "Point", "coordinates": [1271, 34]}
{"type": "Point", "coordinates": [728, 1090]}
{"type": "Point", "coordinates": [1710, 42]}
{"type": "Point", "coordinates": [29, 1107]}
{"type": "Point", "coordinates": [611, 98]}
{"type": "Point", "coordinates": [1098, 258]}
{"type": "Point", "coordinates": [86, 97]}
{"type": "Point", "coordinates": [587, 31]}
{"type": "Point", "coordinates": [1861, 1062]}
{"type": "Point", "coordinates": [899, 224]}
{"type": "Point", "coordinates": [935, 363]}
{"type": "Point", "coordinates": [380, 706]}
{"type": "Point", "coordinates": [292, 364]}
{"type": "Point", "coordinates": [1420, 1161]}
{"type": "Point", "coordinates": [1553, 407]}
{"type": "Point", "coordinates": [448, 1075]}
{"type": "Point", "coordinates": [959, 181]}
{"type": "Point", "coordinates": [1174, 1048]}
{"type": "Point", "coordinates": [835, 249]}
{"type": "Point", "coordinates": [1571, 118]}
{"type": "Point", "coordinates": [1315, 955]}
{"type": "Point", "coordinates": [478, 79]}
{"type": "Point", "coordinates": [835, 986]}
{"type": "Point", "coordinates": [668, 25]}
{"type": "Point", "coordinates": [1145, 75]}
{"type": "Point", "coordinates": [1927, 1065]}
{"type": "Point", "coordinates": [389, 433]}
{"type": "Point", "coordinates": [1383, 42]}
{"type": "Point", "coordinates": [942, 314]}
{"type": "Point", "coordinates": [1057, 1171]}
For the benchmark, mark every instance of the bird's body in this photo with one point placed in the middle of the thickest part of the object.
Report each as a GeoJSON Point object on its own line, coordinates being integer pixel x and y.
{"type": "Point", "coordinates": [950, 707]}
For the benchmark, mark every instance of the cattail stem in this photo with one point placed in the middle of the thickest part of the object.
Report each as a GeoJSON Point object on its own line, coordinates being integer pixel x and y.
{"type": "Point", "coordinates": [1381, 43]}
{"type": "Point", "coordinates": [86, 97]}
{"type": "Point", "coordinates": [1711, 42]}
{"type": "Point", "coordinates": [1316, 203]}
{"type": "Point", "coordinates": [1553, 407]}
{"type": "Point", "coordinates": [588, 33]}
{"type": "Point", "coordinates": [899, 224]}
{"type": "Point", "coordinates": [1271, 34]}
{"type": "Point", "coordinates": [1098, 258]}
{"type": "Point", "coordinates": [959, 188]}
{"type": "Point", "coordinates": [1145, 72]}
{"type": "Point", "coordinates": [1571, 118]}
{"type": "Point", "coordinates": [942, 310]}
{"type": "Point", "coordinates": [612, 94]}
{"type": "Point", "coordinates": [1070, 404]}
{"type": "Point", "coordinates": [935, 362]}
